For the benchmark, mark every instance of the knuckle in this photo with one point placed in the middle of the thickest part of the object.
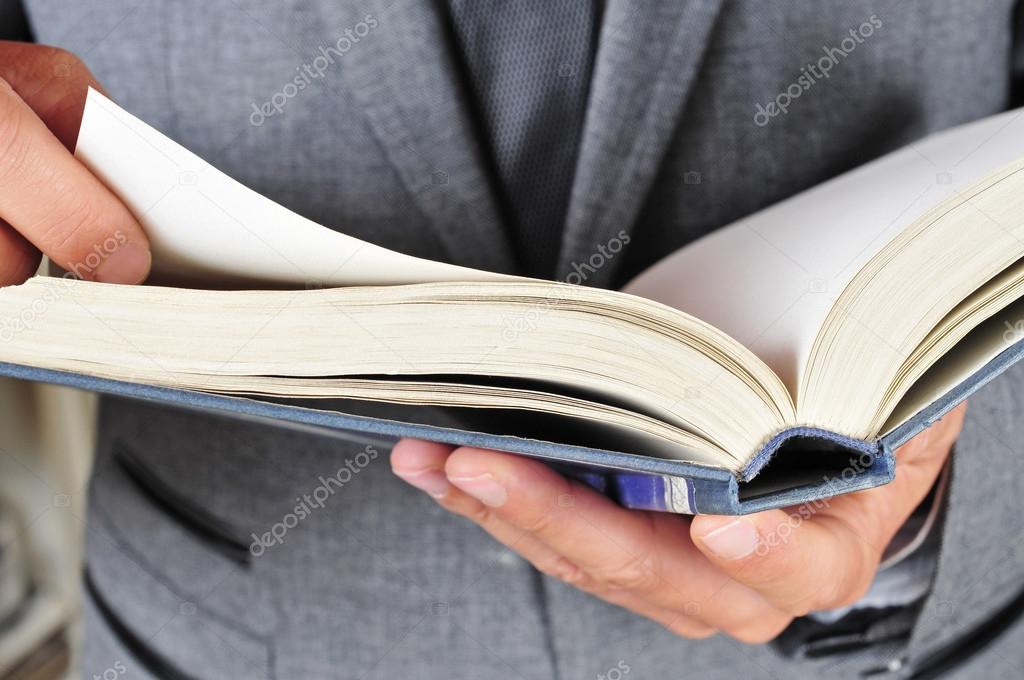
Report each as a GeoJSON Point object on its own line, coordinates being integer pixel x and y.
{"type": "Point", "coordinates": [13, 145]}
{"type": "Point", "coordinates": [566, 571]}
{"type": "Point", "coordinates": [857, 578]}
{"type": "Point", "coordinates": [541, 522]}
{"type": "Point", "coordinates": [478, 513]}
{"type": "Point", "coordinates": [759, 570]}
{"type": "Point", "coordinates": [65, 66]}
{"type": "Point", "coordinates": [841, 591]}
{"type": "Point", "coordinates": [861, 565]}
{"type": "Point", "coordinates": [66, 227]}
{"type": "Point", "coordinates": [767, 573]}
{"type": "Point", "coordinates": [51, 53]}
{"type": "Point", "coordinates": [824, 595]}
{"type": "Point", "coordinates": [71, 228]}
{"type": "Point", "coordinates": [854, 590]}
{"type": "Point", "coordinates": [473, 510]}
{"type": "Point", "coordinates": [51, 60]}
{"type": "Point", "coordinates": [636, 574]}
{"type": "Point", "coordinates": [30, 60]}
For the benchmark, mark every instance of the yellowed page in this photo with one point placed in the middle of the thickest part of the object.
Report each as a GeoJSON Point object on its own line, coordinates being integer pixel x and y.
{"type": "Point", "coordinates": [980, 346]}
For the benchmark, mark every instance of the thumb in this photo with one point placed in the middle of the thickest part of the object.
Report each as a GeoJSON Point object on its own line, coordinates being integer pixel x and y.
{"type": "Point", "coordinates": [797, 563]}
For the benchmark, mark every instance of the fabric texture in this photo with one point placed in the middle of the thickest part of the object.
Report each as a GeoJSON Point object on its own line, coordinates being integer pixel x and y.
{"type": "Point", "coordinates": [379, 582]}
{"type": "Point", "coordinates": [529, 67]}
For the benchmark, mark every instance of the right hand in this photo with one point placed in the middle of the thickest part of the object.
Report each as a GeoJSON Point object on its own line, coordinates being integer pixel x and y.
{"type": "Point", "coordinates": [49, 202]}
{"type": "Point", "coordinates": [748, 577]}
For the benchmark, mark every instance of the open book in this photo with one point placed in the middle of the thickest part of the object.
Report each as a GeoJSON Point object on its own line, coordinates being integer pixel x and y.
{"type": "Point", "coordinates": [820, 332]}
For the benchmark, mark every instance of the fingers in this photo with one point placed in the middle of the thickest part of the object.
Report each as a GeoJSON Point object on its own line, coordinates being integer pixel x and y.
{"type": "Point", "coordinates": [643, 562]}
{"type": "Point", "coordinates": [59, 206]}
{"type": "Point", "coordinates": [52, 81]}
{"type": "Point", "coordinates": [612, 545]}
{"type": "Point", "coordinates": [825, 555]}
{"type": "Point", "coordinates": [820, 564]}
{"type": "Point", "coordinates": [748, 576]}
{"type": "Point", "coordinates": [422, 465]}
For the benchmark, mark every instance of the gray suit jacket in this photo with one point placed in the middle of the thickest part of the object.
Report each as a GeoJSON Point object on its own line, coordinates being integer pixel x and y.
{"type": "Point", "coordinates": [380, 583]}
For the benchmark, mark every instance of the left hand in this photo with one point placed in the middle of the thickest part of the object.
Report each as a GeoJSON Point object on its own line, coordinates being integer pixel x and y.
{"type": "Point", "coordinates": [745, 576]}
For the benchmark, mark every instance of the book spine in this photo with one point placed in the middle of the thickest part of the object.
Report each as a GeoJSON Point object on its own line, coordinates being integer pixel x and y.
{"type": "Point", "coordinates": [654, 492]}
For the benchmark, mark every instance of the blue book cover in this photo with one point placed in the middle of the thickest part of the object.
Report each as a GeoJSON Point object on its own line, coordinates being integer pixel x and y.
{"type": "Point", "coordinates": [818, 464]}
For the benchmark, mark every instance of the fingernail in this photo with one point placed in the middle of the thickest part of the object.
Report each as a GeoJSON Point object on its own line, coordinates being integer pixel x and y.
{"type": "Point", "coordinates": [432, 482]}
{"type": "Point", "coordinates": [484, 488]}
{"type": "Point", "coordinates": [732, 541]}
{"type": "Point", "coordinates": [128, 263]}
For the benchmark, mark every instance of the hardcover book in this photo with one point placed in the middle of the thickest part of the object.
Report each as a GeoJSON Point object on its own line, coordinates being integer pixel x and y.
{"type": "Point", "coordinates": [778, 360]}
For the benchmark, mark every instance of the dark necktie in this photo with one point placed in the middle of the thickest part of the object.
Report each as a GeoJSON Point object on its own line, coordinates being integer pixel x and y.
{"type": "Point", "coordinates": [529, 64]}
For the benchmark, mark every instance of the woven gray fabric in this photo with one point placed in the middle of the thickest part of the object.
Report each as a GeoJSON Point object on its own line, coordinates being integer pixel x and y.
{"type": "Point", "coordinates": [529, 66]}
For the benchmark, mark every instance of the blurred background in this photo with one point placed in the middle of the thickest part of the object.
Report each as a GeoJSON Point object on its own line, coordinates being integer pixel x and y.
{"type": "Point", "coordinates": [46, 441]}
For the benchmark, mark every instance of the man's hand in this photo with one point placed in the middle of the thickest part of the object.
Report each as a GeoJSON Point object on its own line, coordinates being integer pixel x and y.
{"type": "Point", "coordinates": [746, 576]}
{"type": "Point", "coordinates": [49, 201]}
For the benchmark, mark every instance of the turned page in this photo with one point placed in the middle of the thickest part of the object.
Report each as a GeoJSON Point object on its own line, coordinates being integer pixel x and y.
{"type": "Point", "coordinates": [206, 228]}
{"type": "Point", "coordinates": [770, 279]}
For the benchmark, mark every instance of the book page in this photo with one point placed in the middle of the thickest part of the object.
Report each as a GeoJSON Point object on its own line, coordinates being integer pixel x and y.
{"type": "Point", "coordinates": [980, 346]}
{"type": "Point", "coordinates": [437, 343]}
{"type": "Point", "coordinates": [770, 279]}
{"type": "Point", "coordinates": [205, 227]}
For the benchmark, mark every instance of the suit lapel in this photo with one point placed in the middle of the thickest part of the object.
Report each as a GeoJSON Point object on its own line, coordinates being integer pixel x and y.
{"type": "Point", "coordinates": [645, 67]}
{"type": "Point", "coordinates": [407, 82]}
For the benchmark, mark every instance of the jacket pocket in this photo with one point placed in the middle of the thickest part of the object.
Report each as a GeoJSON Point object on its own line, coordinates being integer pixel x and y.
{"type": "Point", "coordinates": [170, 581]}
